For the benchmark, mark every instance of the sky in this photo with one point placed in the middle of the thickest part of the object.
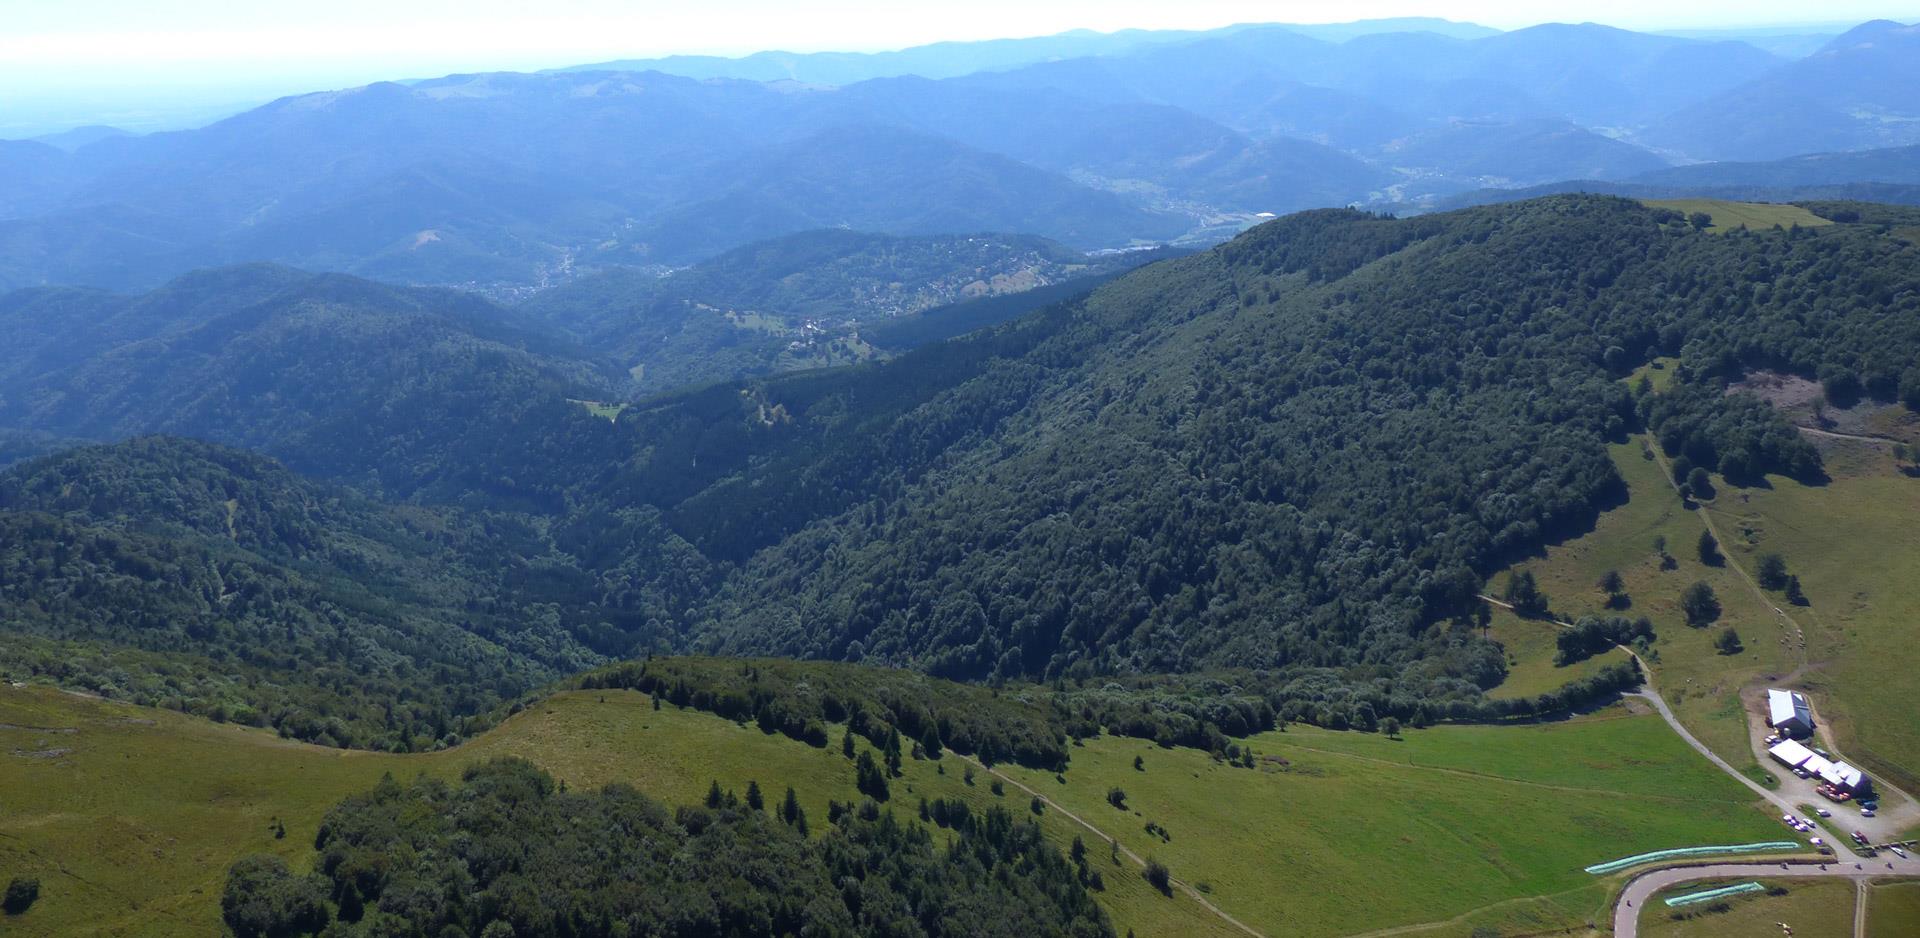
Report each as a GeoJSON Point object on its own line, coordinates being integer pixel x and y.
{"type": "Point", "coordinates": [139, 59]}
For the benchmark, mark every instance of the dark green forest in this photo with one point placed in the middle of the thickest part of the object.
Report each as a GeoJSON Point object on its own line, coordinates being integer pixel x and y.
{"type": "Point", "coordinates": [507, 852]}
{"type": "Point", "coordinates": [1297, 455]}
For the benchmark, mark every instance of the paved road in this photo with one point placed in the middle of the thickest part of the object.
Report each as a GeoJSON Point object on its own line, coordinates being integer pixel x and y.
{"type": "Point", "coordinates": [1841, 851]}
{"type": "Point", "coordinates": [1626, 914]}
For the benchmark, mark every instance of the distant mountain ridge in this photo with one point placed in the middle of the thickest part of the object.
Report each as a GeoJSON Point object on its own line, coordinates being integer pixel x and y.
{"type": "Point", "coordinates": [953, 59]}
{"type": "Point", "coordinates": [512, 183]}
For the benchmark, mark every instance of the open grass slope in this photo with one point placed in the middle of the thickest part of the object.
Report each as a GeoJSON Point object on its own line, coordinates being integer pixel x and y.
{"type": "Point", "coordinates": [1893, 910]}
{"type": "Point", "coordinates": [1530, 646]}
{"type": "Point", "coordinates": [1338, 833]}
{"type": "Point", "coordinates": [1756, 215]}
{"type": "Point", "coordinates": [1702, 685]}
{"type": "Point", "coordinates": [1814, 908]}
{"type": "Point", "coordinates": [1855, 545]}
{"type": "Point", "coordinates": [1856, 548]}
{"type": "Point", "coordinates": [130, 816]}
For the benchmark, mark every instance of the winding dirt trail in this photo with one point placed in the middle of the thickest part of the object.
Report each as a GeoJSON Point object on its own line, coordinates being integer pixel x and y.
{"type": "Point", "coordinates": [1799, 633]}
{"type": "Point", "coordinates": [1138, 860]}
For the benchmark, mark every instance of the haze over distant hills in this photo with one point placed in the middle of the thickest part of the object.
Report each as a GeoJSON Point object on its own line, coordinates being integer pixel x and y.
{"type": "Point", "coordinates": [512, 182]}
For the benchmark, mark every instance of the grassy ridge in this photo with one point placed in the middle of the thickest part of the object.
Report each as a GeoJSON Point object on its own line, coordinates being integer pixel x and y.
{"type": "Point", "coordinates": [130, 816]}
{"type": "Point", "coordinates": [1756, 215]}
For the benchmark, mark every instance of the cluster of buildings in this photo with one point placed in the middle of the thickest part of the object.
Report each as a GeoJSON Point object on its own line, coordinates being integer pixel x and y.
{"type": "Point", "coordinates": [1792, 720]}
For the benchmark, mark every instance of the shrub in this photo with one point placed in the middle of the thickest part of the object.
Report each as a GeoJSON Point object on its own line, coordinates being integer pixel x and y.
{"type": "Point", "coordinates": [1159, 876]}
{"type": "Point", "coordinates": [21, 893]}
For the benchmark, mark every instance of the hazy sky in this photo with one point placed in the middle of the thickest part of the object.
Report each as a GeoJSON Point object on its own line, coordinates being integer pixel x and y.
{"type": "Point", "coordinates": [55, 53]}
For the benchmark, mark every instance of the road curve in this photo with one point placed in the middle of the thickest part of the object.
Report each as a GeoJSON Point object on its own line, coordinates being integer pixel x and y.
{"type": "Point", "coordinates": [1626, 913]}
{"type": "Point", "coordinates": [1841, 852]}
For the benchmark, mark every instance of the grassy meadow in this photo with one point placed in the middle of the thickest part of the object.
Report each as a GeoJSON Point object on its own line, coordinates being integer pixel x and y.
{"type": "Point", "coordinates": [1893, 910]}
{"type": "Point", "coordinates": [1530, 648]}
{"type": "Point", "coordinates": [1457, 826]}
{"type": "Point", "coordinates": [1855, 545]}
{"type": "Point", "coordinates": [1815, 909]}
{"type": "Point", "coordinates": [1701, 684]}
{"type": "Point", "coordinates": [129, 817]}
{"type": "Point", "coordinates": [1757, 215]}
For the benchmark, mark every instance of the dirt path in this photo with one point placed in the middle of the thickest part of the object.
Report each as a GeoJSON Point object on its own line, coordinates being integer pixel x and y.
{"type": "Point", "coordinates": [1138, 860]}
{"type": "Point", "coordinates": [1860, 887]}
{"type": "Point", "coordinates": [1798, 633]}
{"type": "Point", "coordinates": [1837, 435]}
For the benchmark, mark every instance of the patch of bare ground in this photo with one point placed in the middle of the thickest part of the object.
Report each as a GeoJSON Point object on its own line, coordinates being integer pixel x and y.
{"type": "Point", "coordinates": [1804, 403]}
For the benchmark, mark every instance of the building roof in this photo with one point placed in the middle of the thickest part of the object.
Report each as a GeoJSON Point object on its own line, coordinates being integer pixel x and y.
{"type": "Point", "coordinates": [1785, 705]}
{"type": "Point", "coordinates": [1792, 753]}
{"type": "Point", "coordinates": [1842, 774]}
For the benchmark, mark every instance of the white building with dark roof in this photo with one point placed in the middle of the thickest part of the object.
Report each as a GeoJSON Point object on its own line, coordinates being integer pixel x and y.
{"type": "Point", "coordinates": [1789, 712]}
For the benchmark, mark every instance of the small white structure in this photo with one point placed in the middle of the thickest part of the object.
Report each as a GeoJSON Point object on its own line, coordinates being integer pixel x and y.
{"type": "Point", "coordinates": [1789, 712]}
{"type": "Point", "coordinates": [1791, 754]}
{"type": "Point", "coordinates": [1845, 777]}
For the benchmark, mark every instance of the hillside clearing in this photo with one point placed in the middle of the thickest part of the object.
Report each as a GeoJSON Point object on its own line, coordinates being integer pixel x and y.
{"type": "Point", "coordinates": [1755, 215]}
{"type": "Point", "coordinates": [1449, 822]}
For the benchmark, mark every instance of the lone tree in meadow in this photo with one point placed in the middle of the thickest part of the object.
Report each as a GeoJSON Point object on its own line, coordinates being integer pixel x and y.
{"type": "Point", "coordinates": [1117, 798]}
{"type": "Point", "coordinates": [1728, 642]}
{"type": "Point", "coordinates": [1772, 571]}
{"type": "Point", "coordinates": [1710, 550]}
{"type": "Point", "coordinates": [1794, 595]}
{"type": "Point", "coordinates": [1700, 605]}
{"type": "Point", "coordinates": [1610, 582]}
{"type": "Point", "coordinates": [1158, 874]}
{"type": "Point", "coordinates": [1391, 727]}
{"type": "Point", "coordinates": [792, 813]}
{"type": "Point", "coordinates": [1523, 594]}
{"type": "Point", "coordinates": [21, 893]}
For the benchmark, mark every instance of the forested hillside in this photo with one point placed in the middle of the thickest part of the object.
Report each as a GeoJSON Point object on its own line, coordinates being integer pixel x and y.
{"type": "Point", "coordinates": [506, 847]}
{"type": "Point", "coordinates": [1301, 452]}
{"type": "Point", "coordinates": [339, 377]}
{"type": "Point", "coordinates": [799, 301]}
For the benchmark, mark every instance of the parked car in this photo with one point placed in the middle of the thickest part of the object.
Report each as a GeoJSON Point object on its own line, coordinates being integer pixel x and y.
{"type": "Point", "coordinates": [1823, 812]}
{"type": "Point", "coordinates": [1866, 812]}
{"type": "Point", "coordinates": [1859, 837]}
{"type": "Point", "coordinates": [1899, 851]}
